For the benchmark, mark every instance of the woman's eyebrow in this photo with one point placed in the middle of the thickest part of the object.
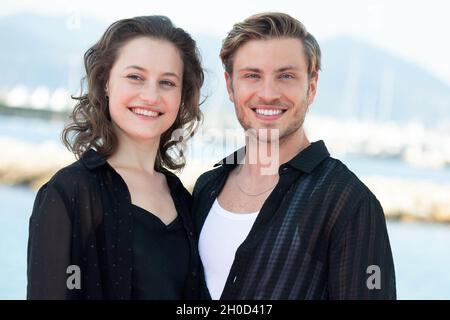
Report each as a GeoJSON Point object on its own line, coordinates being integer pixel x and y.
{"type": "Point", "coordinates": [170, 74]}
{"type": "Point", "coordinates": [136, 67]}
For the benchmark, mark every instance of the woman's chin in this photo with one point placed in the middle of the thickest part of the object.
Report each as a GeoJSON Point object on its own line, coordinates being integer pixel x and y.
{"type": "Point", "coordinates": [145, 136]}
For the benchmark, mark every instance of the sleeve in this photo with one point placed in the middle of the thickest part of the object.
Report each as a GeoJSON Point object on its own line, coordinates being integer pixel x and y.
{"type": "Point", "coordinates": [49, 245]}
{"type": "Point", "coordinates": [361, 264]}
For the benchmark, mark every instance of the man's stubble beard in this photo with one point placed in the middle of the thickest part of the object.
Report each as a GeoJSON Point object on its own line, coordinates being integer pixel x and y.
{"type": "Point", "coordinates": [283, 135]}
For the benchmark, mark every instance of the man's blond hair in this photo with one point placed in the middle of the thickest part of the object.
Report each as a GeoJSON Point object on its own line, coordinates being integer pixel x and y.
{"type": "Point", "coordinates": [269, 25]}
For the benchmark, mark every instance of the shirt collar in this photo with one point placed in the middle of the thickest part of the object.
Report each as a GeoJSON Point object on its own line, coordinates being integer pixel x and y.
{"type": "Point", "coordinates": [306, 160]}
{"type": "Point", "coordinates": [310, 157]}
{"type": "Point", "coordinates": [92, 159]}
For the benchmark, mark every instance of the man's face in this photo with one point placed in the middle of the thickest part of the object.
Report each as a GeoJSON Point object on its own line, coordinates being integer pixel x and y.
{"type": "Point", "coordinates": [269, 85]}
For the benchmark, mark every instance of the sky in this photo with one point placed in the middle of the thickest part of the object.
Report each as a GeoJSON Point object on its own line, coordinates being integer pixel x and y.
{"type": "Point", "coordinates": [416, 31]}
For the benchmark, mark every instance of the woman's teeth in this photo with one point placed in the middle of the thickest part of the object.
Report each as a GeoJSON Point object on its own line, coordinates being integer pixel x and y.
{"type": "Point", "coordinates": [269, 112]}
{"type": "Point", "coordinates": [144, 112]}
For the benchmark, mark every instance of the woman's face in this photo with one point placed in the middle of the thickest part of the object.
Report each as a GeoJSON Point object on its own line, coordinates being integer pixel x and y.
{"type": "Point", "coordinates": [144, 88]}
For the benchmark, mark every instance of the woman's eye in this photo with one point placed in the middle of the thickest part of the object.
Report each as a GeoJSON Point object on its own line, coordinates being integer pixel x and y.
{"type": "Point", "coordinates": [134, 77]}
{"type": "Point", "coordinates": [168, 83]}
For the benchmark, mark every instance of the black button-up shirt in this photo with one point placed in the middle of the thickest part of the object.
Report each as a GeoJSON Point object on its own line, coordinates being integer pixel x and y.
{"type": "Point", "coordinates": [321, 234]}
{"type": "Point", "coordinates": [83, 217]}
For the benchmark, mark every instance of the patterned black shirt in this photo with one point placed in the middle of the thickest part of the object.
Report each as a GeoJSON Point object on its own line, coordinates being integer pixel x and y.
{"type": "Point", "coordinates": [321, 234]}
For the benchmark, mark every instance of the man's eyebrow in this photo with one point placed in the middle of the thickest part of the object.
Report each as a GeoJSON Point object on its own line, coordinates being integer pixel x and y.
{"type": "Point", "coordinates": [282, 69]}
{"type": "Point", "coordinates": [287, 68]}
{"type": "Point", "coordinates": [251, 69]}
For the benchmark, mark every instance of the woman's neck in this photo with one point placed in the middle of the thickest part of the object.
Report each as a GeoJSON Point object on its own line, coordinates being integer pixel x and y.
{"type": "Point", "coordinates": [135, 154]}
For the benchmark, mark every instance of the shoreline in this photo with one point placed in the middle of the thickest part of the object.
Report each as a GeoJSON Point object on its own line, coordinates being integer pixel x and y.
{"type": "Point", "coordinates": [31, 165]}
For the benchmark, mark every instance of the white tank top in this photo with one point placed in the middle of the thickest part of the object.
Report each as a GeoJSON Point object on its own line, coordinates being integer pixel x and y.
{"type": "Point", "coordinates": [221, 235]}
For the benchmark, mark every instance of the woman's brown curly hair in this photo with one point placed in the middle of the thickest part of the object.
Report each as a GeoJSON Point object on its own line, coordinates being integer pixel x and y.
{"type": "Point", "coordinates": [90, 122]}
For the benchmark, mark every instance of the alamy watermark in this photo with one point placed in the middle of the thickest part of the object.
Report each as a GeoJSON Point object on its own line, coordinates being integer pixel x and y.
{"type": "Point", "coordinates": [262, 146]}
{"type": "Point", "coordinates": [74, 280]}
{"type": "Point", "coordinates": [374, 280]}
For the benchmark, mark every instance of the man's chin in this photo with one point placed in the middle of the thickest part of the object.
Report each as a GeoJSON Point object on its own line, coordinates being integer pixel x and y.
{"type": "Point", "coordinates": [265, 135]}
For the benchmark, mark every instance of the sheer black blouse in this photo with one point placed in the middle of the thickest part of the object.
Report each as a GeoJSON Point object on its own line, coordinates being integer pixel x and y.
{"type": "Point", "coordinates": [82, 226]}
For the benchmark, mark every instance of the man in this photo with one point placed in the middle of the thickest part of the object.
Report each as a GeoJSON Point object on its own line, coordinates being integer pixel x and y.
{"type": "Point", "coordinates": [307, 230]}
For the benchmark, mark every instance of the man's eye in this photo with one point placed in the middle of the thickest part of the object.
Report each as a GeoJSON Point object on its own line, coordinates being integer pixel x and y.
{"type": "Point", "coordinates": [252, 76]}
{"type": "Point", "coordinates": [286, 76]}
{"type": "Point", "coordinates": [134, 77]}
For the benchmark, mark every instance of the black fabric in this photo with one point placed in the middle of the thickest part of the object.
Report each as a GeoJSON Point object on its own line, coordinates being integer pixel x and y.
{"type": "Point", "coordinates": [160, 257]}
{"type": "Point", "coordinates": [316, 236]}
{"type": "Point", "coordinates": [83, 217]}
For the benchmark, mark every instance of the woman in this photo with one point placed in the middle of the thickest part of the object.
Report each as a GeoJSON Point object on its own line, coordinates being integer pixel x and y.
{"type": "Point", "coordinates": [115, 224]}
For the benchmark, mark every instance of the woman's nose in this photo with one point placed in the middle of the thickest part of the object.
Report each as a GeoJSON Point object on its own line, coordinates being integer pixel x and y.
{"type": "Point", "coordinates": [150, 93]}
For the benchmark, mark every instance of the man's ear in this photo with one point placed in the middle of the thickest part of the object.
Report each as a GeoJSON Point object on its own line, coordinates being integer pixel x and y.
{"type": "Point", "coordinates": [229, 82]}
{"type": "Point", "coordinates": [312, 87]}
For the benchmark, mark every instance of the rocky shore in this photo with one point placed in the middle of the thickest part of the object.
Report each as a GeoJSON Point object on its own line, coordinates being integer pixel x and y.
{"type": "Point", "coordinates": [33, 164]}
{"type": "Point", "coordinates": [24, 163]}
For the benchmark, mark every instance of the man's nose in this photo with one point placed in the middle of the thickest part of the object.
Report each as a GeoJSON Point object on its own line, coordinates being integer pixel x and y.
{"type": "Point", "coordinates": [269, 91]}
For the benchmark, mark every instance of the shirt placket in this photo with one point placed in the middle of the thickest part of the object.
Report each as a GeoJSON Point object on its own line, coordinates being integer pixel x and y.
{"type": "Point", "coordinates": [246, 250]}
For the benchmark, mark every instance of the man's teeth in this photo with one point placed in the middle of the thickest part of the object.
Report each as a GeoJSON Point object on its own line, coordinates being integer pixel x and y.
{"type": "Point", "coordinates": [268, 112]}
{"type": "Point", "coordinates": [145, 112]}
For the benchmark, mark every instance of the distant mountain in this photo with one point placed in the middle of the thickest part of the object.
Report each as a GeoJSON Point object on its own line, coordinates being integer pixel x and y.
{"type": "Point", "coordinates": [362, 81]}
{"type": "Point", "coordinates": [357, 80]}
{"type": "Point", "coordinates": [41, 50]}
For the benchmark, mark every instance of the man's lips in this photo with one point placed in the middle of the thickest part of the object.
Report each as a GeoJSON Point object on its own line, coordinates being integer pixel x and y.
{"type": "Point", "coordinates": [268, 111]}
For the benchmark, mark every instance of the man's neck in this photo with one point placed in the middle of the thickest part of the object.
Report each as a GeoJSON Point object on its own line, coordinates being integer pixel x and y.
{"type": "Point", "coordinates": [265, 158]}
